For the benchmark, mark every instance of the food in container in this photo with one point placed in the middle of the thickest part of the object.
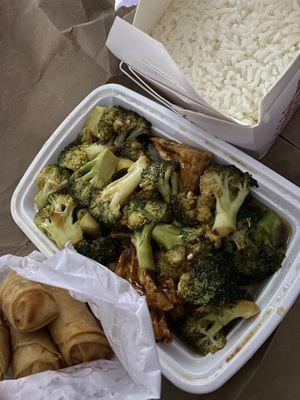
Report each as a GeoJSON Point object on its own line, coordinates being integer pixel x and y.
{"type": "Point", "coordinates": [4, 349]}
{"type": "Point", "coordinates": [33, 352]}
{"type": "Point", "coordinates": [245, 91]}
{"type": "Point", "coordinates": [194, 239]}
{"type": "Point", "coordinates": [76, 332]}
{"type": "Point", "coordinates": [27, 305]}
{"type": "Point", "coordinates": [232, 52]}
{"type": "Point", "coordinates": [179, 364]}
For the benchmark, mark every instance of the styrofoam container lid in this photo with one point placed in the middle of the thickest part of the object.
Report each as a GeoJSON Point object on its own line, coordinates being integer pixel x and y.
{"type": "Point", "coordinates": [187, 370]}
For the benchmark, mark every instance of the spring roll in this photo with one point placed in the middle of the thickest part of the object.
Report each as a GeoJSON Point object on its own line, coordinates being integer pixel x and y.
{"type": "Point", "coordinates": [4, 350]}
{"type": "Point", "coordinates": [76, 332]}
{"type": "Point", "coordinates": [27, 305]}
{"type": "Point", "coordinates": [33, 352]}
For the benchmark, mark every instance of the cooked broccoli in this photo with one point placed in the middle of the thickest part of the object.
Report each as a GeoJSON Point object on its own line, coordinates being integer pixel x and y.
{"type": "Point", "coordinates": [172, 263]}
{"type": "Point", "coordinates": [94, 174]}
{"type": "Point", "coordinates": [204, 332]}
{"type": "Point", "coordinates": [162, 176]}
{"type": "Point", "coordinates": [56, 219]}
{"type": "Point", "coordinates": [139, 212]}
{"type": "Point", "coordinates": [184, 207]}
{"type": "Point", "coordinates": [210, 281]}
{"type": "Point", "coordinates": [167, 235]}
{"type": "Point", "coordinates": [131, 149]}
{"type": "Point", "coordinates": [226, 187]}
{"type": "Point", "coordinates": [105, 205]}
{"type": "Point", "coordinates": [99, 125]}
{"type": "Point", "coordinates": [124, 163]}
{"type": "Point", "coordinates": [269, 230]}
{"type": "Point", "coordinates": [181, 248]}
{"type": "Point", "coordinates": [142, 242]}
{"type": "Point", "coordinates": [103, 250]}
{"type": "Point", "coordinates": [89, 225]}
{"type": "Point", "coordinates": [75, 156]}
{"type": "Point", "coordinates": [129, 125]}
{"type": "Point", "coordinates": [260, 249]}
{"type": "Point", "coordinates": [53, 178]}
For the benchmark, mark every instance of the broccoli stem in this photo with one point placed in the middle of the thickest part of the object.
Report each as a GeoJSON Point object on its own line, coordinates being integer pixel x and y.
{"type": "Point", "coordinates": [142, 242]}
{"type": "Point", "coordinates": [242, 309]}
{"type": "Point", "coordinates": [225, 223]}
{"type": "Point", "coordinates": [88, 166]}
{"type": "Point", "coordinates": [226, 211]}
{"type": "Point", "coordinates": [167, 235]}
{"type": "Point", "coordinates": [122, 188]}
{"type": "Point", "coordinates": [100, 170]}
{"type": "Point", "coordinates": [94, 117]}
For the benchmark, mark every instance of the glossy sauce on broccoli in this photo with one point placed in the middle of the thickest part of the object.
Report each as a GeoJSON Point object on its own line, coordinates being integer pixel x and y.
{"type": "Point", "coordinates": [186, 233]}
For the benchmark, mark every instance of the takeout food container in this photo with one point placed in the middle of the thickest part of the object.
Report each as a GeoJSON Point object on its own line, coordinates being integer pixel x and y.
{"type": "Point", "coordinates": [151, 61]}
{"type": "Point", "coordinates": [187, 370]}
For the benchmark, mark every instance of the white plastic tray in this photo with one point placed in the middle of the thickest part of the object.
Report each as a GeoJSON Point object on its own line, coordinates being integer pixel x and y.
{"type": "Point", "coordinates": [180, 365]}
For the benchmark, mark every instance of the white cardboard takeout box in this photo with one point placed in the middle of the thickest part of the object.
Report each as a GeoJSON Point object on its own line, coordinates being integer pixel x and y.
{"type": "Point", "coordinates": [187, 370]}
{"type": "Point", "coordinates": [149, 58]}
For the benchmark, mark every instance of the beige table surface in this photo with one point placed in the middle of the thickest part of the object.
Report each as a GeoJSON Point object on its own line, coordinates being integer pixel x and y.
{"type": "Point", "coordinates": [52, 55]}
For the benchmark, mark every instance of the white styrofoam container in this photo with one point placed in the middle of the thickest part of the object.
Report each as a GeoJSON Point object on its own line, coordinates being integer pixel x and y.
{"type": "Point", "coordinates": [187, 370]}
{"type": "Point", "coordinates": [151, 60]}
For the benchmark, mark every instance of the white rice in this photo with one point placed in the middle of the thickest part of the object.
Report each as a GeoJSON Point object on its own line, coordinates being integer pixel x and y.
{"type": "Point", "coordinates": [232, 51]}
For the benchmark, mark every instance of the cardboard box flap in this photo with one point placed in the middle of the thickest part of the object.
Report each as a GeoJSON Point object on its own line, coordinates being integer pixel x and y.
{"type": "Point", "coordinates": [149, 57]}
{"type": "Point", "coordinates": [148, 13]}
{"type": "Point", "coordinates": [279, 87]}
{"type": "Point", "coordinates": [172, 95]}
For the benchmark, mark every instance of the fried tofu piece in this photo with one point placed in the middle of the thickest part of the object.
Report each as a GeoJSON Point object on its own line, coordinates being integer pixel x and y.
{"type": "Point", "coordinates": [193, 162]}
{"type": "Point", "coordinates": [142, 281]}
{"type": "Point", "coordinates": [168, 286]}
{"type": "Point", "coordinates": [161, 331]}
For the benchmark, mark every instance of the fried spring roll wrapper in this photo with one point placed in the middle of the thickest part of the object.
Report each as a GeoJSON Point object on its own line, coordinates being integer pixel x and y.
{"type": "Point", "coordinates": [33, 352]}
{"type": "Point", "coordinates": [27, 305]}
{"type": "Point", "coordinates": [76, 332]}
{"type": "Point", "coordinates": [4, 350]}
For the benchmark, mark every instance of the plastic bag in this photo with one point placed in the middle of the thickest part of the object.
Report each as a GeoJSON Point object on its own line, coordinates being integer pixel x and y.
{"type": "Point", "coordinates": [124, 315]}
{"type": "Point", "coordinates": [125, 3]}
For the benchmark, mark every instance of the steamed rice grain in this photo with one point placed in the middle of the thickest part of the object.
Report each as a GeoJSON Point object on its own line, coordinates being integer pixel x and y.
{"type": "Point", "coordinates": [232, 51]}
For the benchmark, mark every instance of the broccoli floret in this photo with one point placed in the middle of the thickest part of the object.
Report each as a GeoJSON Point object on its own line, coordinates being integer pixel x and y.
{"type": "Point", "coordinates": [105, 205]}
{"type": "Point", "coordinates": [181, 248]}
{"type": "Point", "coordinates": [99, 125]}
{"type": "Point", "coordinates": [162, 176]}
{"type": "Point", "coordinates": [139, 212]}
{"type": "Point", "coordinates": [172, 263]}
{"type": "Point", "coordinates": [226, 187]}
{"type": "Point", "coordinates": [184, 207]}
{"type": "Point", "coordinates": [142, 242]}
{"type": "Point", "coordinates": [260, 249]}
{"type": "Point", "coordinates": [129, 125]}
{"type": "Point", "coordinates": [56, 219]}
{"type": "Point", "coordinates": [89, 225]}
{"type": "Point", "coordinates": [94, 174]}
{"type": "Point", "coordinates": [204, 332]}
{"type": "Point", "coordinates": [53, 178]}
{"type": "Point", "coordinates": [210, 281]}
{"type": "Point", "coordinates": [75, 156]}
{"type": "Point", "coordinates": [132, 149]}
{"type": "Point", "coordinates": [103, 250]}
{"type": "Point", "coordinates": [269, 230]}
